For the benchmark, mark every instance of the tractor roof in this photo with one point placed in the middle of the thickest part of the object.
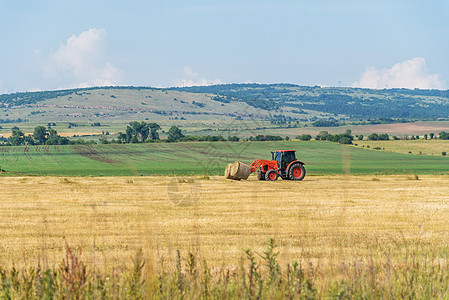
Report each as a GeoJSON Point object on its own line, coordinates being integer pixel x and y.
{"type": "Point", "coordinates": [285, 150]}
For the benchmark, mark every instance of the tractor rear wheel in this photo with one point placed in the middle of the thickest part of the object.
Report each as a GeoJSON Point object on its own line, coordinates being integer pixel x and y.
{"type": "Point", "coordinates": [271, 175]}
{"type": "Point", "coordinates": [297, 172]}
{"type": "Point", "coordinates": [260, 174]}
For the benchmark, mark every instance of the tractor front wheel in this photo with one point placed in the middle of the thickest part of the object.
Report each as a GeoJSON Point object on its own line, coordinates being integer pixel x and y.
{"type": "Point", "coordinates": [260, 174]}
{"type": "Point", "coordinates": [271, 175]}
{"type": "Point", "coordinates": [297, 172]}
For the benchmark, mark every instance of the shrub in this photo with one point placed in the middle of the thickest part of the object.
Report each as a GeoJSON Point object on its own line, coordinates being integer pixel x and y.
{"type": "Point", "coordinates": [345, 140]}
{"type": "Point", "coordinates": [373, 137]}
{"type": "Point", "coordinates": [325, 123]}
{"type": "Point", "coordinates": [444, 135]}
{"type": "Point", "coordinates": [384, 137]}
{"type": "Point", "coordinates": [261, 137]}
{"type": "Point", "coordinates": [304, 137]}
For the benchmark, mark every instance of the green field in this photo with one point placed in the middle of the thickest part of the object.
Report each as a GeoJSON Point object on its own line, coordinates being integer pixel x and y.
{"type": "Point", "coordinates": [205, 158]}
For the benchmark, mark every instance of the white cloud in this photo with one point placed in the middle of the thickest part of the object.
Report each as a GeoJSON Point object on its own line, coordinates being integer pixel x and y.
{"type": "Point", "coordinates": [81, 61]}
{"type": "Point", "coordinates": [410, 74]}
{"type": "Point", "coordinates": [194, 79]}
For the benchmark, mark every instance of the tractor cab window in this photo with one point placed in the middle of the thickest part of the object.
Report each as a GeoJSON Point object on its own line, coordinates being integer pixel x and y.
{"type": "Point", "coordinates": [278, 156]}
{"type": "Point", "coordinates": [289, 157]}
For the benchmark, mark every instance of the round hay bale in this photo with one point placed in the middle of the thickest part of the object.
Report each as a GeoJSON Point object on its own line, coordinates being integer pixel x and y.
{"type": "Point", "coordinates": [228, 171]}
{"type": "Point", "coordinates": [239, 171]}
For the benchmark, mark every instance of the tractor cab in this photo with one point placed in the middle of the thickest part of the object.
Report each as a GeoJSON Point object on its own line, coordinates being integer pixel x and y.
{"type": "Point", "coordinates": [284, 158]}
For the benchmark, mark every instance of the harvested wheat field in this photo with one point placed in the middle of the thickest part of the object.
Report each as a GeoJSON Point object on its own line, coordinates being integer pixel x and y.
{"type": "Point", "coordinates": [323, 219]}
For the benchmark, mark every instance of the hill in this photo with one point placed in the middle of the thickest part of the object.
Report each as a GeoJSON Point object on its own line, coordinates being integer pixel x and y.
{"type": "Point", "coordinates": [257, 101]}
{"type": "Point", "coordinates": [347, 102]}
{"type": "Point", "coordinates": [231, 109]}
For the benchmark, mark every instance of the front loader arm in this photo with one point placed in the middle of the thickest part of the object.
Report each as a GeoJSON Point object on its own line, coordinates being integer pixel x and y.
{"type": "Point", "coordinates": [257, 163]}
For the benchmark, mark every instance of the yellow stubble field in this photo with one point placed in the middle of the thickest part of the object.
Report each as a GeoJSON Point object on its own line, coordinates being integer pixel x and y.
{"type": "Point", "coordinates": [323, 218]}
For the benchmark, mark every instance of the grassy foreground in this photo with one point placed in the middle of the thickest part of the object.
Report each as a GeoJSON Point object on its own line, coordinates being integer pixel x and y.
{"type": "Point", "coordinates": [206, 158]}
{"type": "Point", "coordinates": [334, 236]}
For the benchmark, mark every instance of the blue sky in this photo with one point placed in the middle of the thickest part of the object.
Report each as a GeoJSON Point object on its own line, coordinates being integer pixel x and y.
{"type": "Point", "coordinates": [47, 45]}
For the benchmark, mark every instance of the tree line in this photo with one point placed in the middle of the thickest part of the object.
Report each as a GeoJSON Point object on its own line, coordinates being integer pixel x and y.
{"type": "Point", "coordinates": [341, 138]}
{"type": "Point", "coordinates": [143, 132]}
{"type": "Point", "coordinates": [40, 136]}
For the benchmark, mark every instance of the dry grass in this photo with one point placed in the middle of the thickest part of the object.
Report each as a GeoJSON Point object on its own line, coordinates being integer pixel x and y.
{"type": "Point", "coordinates": [324, 219]}
{"type": "Point", "coordinates": [429, 147]}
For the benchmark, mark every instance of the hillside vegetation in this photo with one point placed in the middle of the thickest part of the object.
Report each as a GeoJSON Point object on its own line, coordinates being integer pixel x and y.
{"type": "Point", "coordinates": [349, 102]}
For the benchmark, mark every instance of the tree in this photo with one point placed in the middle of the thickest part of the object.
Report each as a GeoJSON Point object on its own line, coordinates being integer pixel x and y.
{"type": "Point", "coordinates": [55, 139]}
{"type": "Point", "coordinates": [63, 141]}
{"type": "Point", "coordinates": [425, 136]}
{"type": "Point", "coordinates": [40, 134]}
{"type": "Point", "coordinates": [154, 128]}
{"type": "Point", "coordinates": [140, 131]}
{"type": "Point", "coordinates": [121, 137]}
{"type": "Point", "coordinates": [28, 140]}
{"type": "Point", "coordinates": [432, 135]}
{"type": "Point", "coordinates": [17, 137]}
{"type": "Point", "coordinates": [174, 134]}
{"type": "Point", "coordinates": [360, 137]}
{"type": "Point", "coordinates": [323, 135]}
{"type": "Point", "coordinates": [129, 134]}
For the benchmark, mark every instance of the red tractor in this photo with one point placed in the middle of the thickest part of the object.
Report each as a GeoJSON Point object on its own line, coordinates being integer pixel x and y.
{"type": "Point", "coordinates": [283, 164]}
